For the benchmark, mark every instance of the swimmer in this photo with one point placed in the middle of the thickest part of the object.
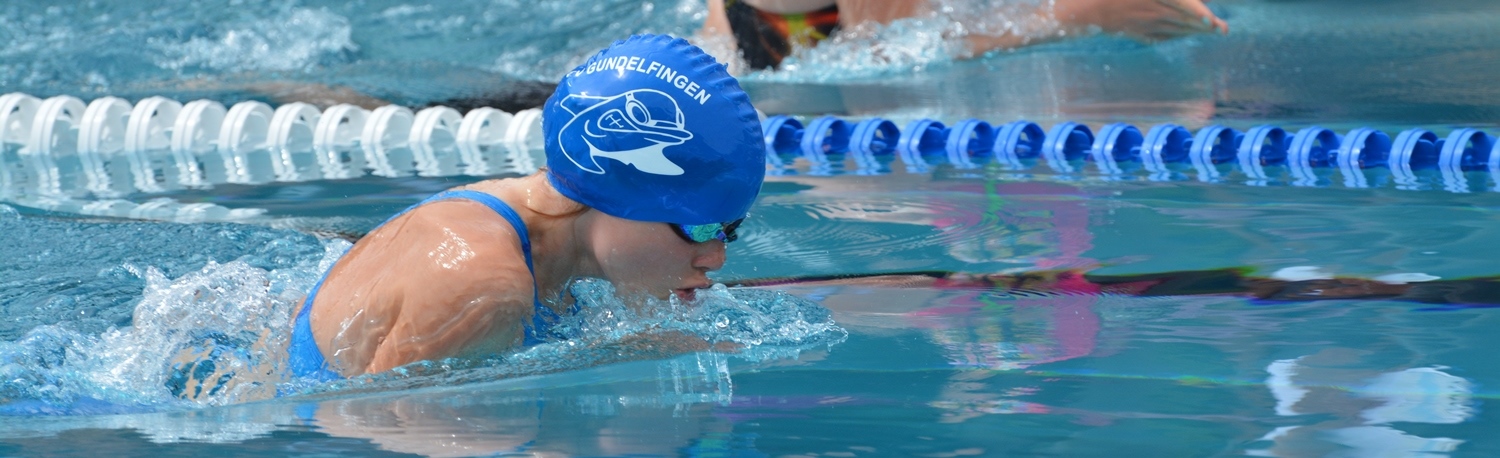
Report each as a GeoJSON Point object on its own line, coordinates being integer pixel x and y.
{"type": "Point", "coordinates": [654, 157]}
{"type": "Point", "coordinates": [765, 31]}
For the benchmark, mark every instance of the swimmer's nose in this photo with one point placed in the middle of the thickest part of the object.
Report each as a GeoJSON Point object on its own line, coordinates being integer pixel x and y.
{"type": "Point", "coordinates": [710, 256]}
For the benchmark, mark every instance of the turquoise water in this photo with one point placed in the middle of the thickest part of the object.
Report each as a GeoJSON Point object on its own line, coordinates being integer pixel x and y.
{"type": "Point", "coordinates": [117, 298]}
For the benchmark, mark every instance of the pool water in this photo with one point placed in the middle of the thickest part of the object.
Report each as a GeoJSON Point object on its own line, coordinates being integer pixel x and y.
{"type": "Point", "coordinates": [1122, 317]}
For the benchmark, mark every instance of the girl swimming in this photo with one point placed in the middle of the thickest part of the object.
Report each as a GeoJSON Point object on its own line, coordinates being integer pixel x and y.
{"type": "Point", "coordinates": [654, 156]}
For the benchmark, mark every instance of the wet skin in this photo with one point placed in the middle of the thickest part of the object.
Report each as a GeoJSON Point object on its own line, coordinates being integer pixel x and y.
{"type": "Point", "coordinates": [449, 279]}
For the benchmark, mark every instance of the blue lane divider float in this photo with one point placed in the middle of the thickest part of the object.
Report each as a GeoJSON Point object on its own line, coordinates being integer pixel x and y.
{"type": "Point", "coordinates": [825, 136]}
{"type": "Point", "coordinates": [968, 140]}
{"type": "Point", "coordinates": [1066, 142]}
{"type": "Point", "coordinates": [1017, 141]}
{"type": "Point", "coordinates": [1165, 144]}
{"type": "Point", "coordinates": [1262, 146]}
{"type": "Point", "coordinates": [1261, 154]}
{"type": "Point", "coordinates": [1117, 144]}
{"type": "Point", "coordinates": [1466, 150]}
{"type": "Point", "coordinates": [1311, 147]}
{"type": "Point", "coordinates": [825, 139]}
{"type": "Point", "coordinates": [783, 135]}
{"type": "Point", "coordinates": [1212, 146]}
{"type": "Point", "coordinates": [1362, 148]}
{"type": "Point", "coordinates": [919, 140]}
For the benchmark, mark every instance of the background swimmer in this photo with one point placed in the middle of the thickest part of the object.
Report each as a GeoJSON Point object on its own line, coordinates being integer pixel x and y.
{"type": "Point", "coordinates": [764, 32]}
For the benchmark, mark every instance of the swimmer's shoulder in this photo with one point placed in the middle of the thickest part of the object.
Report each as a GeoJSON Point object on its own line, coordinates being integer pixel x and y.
{"type": "Point", "coordinates": [467, 242]}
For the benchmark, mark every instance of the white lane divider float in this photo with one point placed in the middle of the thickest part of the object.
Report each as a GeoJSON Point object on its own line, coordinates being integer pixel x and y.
{"type": "Point", "coordinates": [111, 126]}
{"type": "Point", "coordinates": [434, 127]}
{"type": "Point", "coordinates": [292, 128]}
{"type": "Point", "coordinates": [110, 137]}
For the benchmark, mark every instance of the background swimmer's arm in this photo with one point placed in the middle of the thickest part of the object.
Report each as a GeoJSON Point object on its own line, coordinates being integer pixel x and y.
{"type": "Point", "coordinates": [1144, 20]}
{"type": "Point", "coordinates": [717, 38]}
{"type": "Point", "coordinates": [856, 12]}
{"type": "Point", "coordinates": [717, 23]}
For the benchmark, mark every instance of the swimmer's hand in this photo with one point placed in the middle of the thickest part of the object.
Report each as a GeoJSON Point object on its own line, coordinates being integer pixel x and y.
{"type": "Point", "coordinates": [1142, 20]}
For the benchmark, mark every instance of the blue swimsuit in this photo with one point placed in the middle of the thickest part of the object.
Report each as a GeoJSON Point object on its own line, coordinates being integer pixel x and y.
{"type": "Point", "coordinates": [307, 362]}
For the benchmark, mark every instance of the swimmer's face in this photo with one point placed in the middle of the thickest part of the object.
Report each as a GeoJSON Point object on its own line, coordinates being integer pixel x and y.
{"type": "Point", "coordinates": [649, 258]}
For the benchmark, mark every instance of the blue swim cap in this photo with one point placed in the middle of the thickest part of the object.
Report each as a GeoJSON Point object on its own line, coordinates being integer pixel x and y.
{"type": "Point", "coordinates": [654, 129]}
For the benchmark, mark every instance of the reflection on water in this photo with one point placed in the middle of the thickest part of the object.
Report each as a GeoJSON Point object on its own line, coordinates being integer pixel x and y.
{"type": "Point", "coordinates": [1064, 370]}
{"type": "Point", "coordinates": [639, 413]}
{"type": "Point", "coordinates": [1179, 367]}
{"type": "Point", "coordinates": [1175, 374]}
{"type": "Point", "coordinates": [650, 408]}
{"type": "Point", "coordinates": [963, 225]}
{"type": "Point", "coordinates": [1321, 384]}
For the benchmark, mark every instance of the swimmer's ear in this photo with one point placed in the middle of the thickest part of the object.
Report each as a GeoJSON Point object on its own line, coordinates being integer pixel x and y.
{"type": "Point", "coordinates": [577, 103]}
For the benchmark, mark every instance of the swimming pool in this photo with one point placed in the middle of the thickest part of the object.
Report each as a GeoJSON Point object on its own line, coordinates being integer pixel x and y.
{"type": "Point", "coordinates": [1157, 351]}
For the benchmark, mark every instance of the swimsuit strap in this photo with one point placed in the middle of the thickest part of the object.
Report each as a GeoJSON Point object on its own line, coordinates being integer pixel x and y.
{"type": "Point", "coordinates": [510, 215]}
{"type": "Point", "coordinates": [542, 317]}
{"type": "Point", "coordinates": [307, 361]}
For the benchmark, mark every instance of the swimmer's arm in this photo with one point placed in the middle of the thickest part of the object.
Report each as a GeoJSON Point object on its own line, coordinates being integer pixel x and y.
{"type": "Point", "coordinates": [467, 301]}
{"type": "Point", "coordinates": [443, 329]}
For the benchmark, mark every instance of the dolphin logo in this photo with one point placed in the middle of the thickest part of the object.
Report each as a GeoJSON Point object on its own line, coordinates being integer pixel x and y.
{"type": "Point", "coordinates": [634, 128]}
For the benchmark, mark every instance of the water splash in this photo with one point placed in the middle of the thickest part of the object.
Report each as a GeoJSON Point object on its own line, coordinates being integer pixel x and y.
{"type": "Point", "coordinates": [758, 324]}
{"type": "Point", "coordinates": [750, 324]}
{"type": "Point", "coordinates": [218, 336]}
{"type": "Point", "coordinates": [103, 46]}
{"type": "Point", "coordinates": [871, 51]}
{"type": "Point", "coordinates": [546, 39]}
{"type": "Point", "coordinates": [214, 336]}
{"type": "Point", "coordinates": [296, 40]}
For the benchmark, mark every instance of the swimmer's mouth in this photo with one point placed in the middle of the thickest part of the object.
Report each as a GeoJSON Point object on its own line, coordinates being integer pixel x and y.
{"type": "Point", "coordinates": [688, 294]}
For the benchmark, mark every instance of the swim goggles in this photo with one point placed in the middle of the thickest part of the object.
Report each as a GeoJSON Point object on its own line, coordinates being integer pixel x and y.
{"type": "Point", "coordinates": [702, 233]}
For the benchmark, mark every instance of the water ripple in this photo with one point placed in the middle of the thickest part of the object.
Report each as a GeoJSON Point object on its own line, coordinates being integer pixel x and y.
{"type": "Point", "coordinates": [873, 232]}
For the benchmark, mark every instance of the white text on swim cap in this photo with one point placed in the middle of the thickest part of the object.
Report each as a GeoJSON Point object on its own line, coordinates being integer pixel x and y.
{"type": "Point", "coordinates": [636, 64]}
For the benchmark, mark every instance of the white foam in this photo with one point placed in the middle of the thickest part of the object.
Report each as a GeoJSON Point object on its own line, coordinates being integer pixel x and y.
{"type": "Point", "coordinates": [215, 336]}
{"type": "Point", "coordinates": [913, 44]}
{"type": "Point", "coordinates": [1302, 273]}
{"type": "Point", "coordinates": [299, 39]}
{"type": "Point", "coordinates": [1406, 277]}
